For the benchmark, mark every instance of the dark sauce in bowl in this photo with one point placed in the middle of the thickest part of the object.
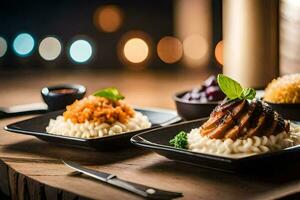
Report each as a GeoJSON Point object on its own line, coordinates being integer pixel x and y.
{"type": "Point", "coordinates": [64, 91]}
{"type": "Point", "coordinates": [59, 96]}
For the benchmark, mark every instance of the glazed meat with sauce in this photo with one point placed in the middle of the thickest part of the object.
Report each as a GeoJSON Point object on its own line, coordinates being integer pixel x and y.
{"type": "Point", "coordinates": [242, 119]}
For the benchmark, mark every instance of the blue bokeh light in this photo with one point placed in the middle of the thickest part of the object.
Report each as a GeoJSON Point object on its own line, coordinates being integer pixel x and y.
{"type": "Point", "coordinates": [23, 44]}
{"type": "Point", "coordinates": [81, 51]}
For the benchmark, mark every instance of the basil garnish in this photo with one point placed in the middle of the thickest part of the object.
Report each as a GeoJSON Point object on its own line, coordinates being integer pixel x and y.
{"type": "Point", "coordinates": [233, 89]}
{"type": "Point", "coordinates": [109, 93]}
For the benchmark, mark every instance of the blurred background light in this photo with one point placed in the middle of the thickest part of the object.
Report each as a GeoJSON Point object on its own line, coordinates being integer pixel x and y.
{"type": "Point", "coordinates": [193, 25]}
{"type": "Point", "coordinates": [108, 18]}
{"type": "Point", "coordinates": [81, 51]}
{"type": "Point", "coordinates": [195, 47]}
{"type": "Point", "coordinates": [50, 48]}
{"type": "Point", "coordinates": [136, 50]}
{"type": "Point", "coordinates": [109, 23]}
{"type": "Point", "coordinates": [169, 49]}
{"type": "Point", "coordinates": [219, 52]}
{"type": "Point", "coordinates": [3, 46]}
{"type": "Point", "coordinates": [23, 44]}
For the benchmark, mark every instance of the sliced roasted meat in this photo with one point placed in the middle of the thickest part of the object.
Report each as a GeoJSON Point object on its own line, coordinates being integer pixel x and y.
{"type": "Point", "coordinates": [272, 126]}
{"type": "Point", "coordinates": [222, 118]}
{"type": "Point", "coordinates": [240, 129]}
{"type": "Point", "coordinates": [242, 119]}
{"type": "Point", "coordinates": [257, 129]}
{"type": "Point", "coordinates": [220, 130]}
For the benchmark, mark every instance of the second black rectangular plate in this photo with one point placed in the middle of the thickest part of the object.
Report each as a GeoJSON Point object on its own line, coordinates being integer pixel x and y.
{"type": "Point", "coordinates": [37, 127]}
{"type": "Point", "coordinates": [157, 140]}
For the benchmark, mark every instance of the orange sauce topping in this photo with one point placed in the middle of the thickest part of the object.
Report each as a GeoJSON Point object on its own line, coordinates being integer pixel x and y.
{"type": "Point", "coordinates": [98, 110]}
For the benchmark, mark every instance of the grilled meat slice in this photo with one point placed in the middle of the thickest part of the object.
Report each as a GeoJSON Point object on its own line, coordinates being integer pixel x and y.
{"type": "Point", "coordinates": [255, 131]}
{"type": "Point", "coordinates": [240, 129]}
{"type": "Point", "coordinates": [222, 118]}
{"type": "Point", "coordinates": [242, 119]}
{"type": "Point", "coordinates": [220, 130]}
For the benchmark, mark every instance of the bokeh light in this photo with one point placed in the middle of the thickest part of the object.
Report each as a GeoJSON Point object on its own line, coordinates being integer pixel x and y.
{"type": "Point", "coordinates": [136, 50]}
{"type": "Point", "coordinates": [193, 26]}
{"type": "Point", "coordinates": [169, 49]}
{"type": "Point", "coordinates": [3, 46]}
{"type": "Point", "coordinates": [219, 52]}
{"type": "Point", "coordinates": [108, 18]}
{"type": "Point", "coordinates": [81, 51]}
{"type": "Point", "coordinates": [50, 48]}
{"type": "Point", "coordinates": [23, 44]}
{"type": "Point", "coordinates": [195, 47]}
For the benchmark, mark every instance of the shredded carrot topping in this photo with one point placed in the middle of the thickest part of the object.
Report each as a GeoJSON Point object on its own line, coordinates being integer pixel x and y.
{"type": "Point", "coordinates": [98, 110]}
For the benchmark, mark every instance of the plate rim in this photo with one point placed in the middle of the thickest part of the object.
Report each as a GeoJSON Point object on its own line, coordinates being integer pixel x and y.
{"type": "Point", "coordinates": [150, 145]}
{"type": "Point", "coordinates": [12, 129]}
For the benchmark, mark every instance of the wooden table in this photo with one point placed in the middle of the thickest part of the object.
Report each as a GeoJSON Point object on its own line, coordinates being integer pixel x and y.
{"type": "Point", "coordinates": [31, 169]}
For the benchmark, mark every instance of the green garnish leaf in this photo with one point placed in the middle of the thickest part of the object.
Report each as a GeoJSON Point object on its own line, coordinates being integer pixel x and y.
{"type": "Point", "coordinates": [248, 93]}
{"type": "Point", "coordinates": [109, 93]}
{"type": "Point", "coordinates": [180, 140]}
{"type": "Point", "coordinates": [233, 89]}
{"type": "Point", "coordinates": [230, 87]}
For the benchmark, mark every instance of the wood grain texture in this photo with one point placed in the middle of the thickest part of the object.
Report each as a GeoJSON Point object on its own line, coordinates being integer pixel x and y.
{"type": "Point", "coordinates": [32, 169]}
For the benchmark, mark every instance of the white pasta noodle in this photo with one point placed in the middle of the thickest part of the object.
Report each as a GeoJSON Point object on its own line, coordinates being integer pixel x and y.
{"type": "Point", "coordinates": [60, 126]}
{"type": "Point", "coordinates": [204, 144]}
{"type": "Point", "coordinates": [295, 130]}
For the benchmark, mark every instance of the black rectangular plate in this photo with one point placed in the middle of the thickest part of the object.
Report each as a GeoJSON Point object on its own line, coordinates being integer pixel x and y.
{"type": "Point", "coordinates": [157, 140]}
{"type": "Point", "coordinates": [37, 127]}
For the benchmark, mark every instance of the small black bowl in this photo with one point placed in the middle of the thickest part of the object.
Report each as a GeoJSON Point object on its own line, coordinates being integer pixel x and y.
{"type": "Point", "coordinates": [192, 110]}
{"type": "Point", "coordinates": [288, 111]}
{"type": "Point", "coordinates": [59, 96]}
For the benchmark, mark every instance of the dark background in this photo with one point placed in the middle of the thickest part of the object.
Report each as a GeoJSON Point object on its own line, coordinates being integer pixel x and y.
{"type": "Point", "coordinates": [69, 18]}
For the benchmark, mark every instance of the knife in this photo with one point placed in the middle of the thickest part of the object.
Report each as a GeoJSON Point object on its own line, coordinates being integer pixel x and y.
{"type": "Point", "coordinates": [142, 190]}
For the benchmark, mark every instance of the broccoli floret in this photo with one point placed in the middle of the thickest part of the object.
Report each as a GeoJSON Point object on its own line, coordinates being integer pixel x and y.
{"type": "Point", "coordinates": [180, 140]}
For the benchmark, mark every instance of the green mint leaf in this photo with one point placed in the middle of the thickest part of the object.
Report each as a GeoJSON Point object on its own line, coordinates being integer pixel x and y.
{"type": "Point", "coordinates": [230, 87]}
{"type": "Point", "coordinates": [109, 93]}
{"type": "Point", "coordinates": [248, 93]}
{"type": "Point", "coordinates": [180, 141]}
{"type": "Point", "coordinates": [233, 89]}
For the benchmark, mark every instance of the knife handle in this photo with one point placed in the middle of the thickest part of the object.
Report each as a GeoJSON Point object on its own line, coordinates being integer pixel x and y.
{"type": "Point", "coordinates": [142, 190]}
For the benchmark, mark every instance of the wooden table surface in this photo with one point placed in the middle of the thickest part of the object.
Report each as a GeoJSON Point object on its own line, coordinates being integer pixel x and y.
{"type": "Point", "coordinates": [31, 169]}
